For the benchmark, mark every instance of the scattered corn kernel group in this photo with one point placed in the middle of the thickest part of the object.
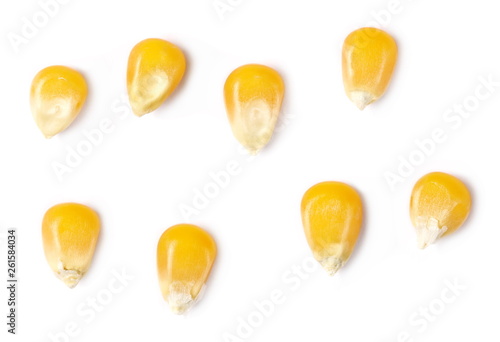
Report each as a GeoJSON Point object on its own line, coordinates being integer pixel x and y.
{"type": "Point", "coordinates": [332, 212]}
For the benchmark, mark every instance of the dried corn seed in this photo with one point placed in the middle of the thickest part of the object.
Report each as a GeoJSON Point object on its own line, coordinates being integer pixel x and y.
{"type": "Point", "coordinates": [185, 257]}
{"type": "Point", "coordinates": [70, 232]}
{"type": "Point", "coordinates": [155, 69]}
{"type": "Point", "coordinates": [368, 59]}
{"type": "Point", "coordinates": [57, 97]}
{"type": "Point", "coordinates": [440, 203]}
{"type": "Point", "coordinates": [332, 215]}
{"type": "Point", "coordinates": [253, 95]}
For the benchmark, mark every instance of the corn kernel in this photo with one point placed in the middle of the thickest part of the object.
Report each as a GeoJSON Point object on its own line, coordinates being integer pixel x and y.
{"type": "Point", "coordinates": [440, 203]}
{"type": "Point", "coordinates": [332, 215]}
{"type": "Point", "coordinates": [70, 232]}
{"type": "Point", "coordinates": [155, 69]}
{"type": "Point", "coordinates": [253, 95]}
{"type": "Point", "coordinates": [368, 59]}
{"type": "Point", "coordinates": [185, 257]}
{"type": "Point", "coordinates": [57, 96]}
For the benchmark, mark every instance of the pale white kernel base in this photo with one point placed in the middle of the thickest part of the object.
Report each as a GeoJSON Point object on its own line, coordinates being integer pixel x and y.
{"type": "Point", "coordinates": [332, 264]}
{"type": "Point", "coordinates": [361, 98]}
{"type": "Point", "coordinates": [428, 231]}
{"type": "Point", "coordinates": [69, 277]}
{"type": "Point", "coordinates": [180, 303]}
{"type": "Point", "coordinates": [180, 300]}
{"type": "Point", "coordinates": [254, 126]}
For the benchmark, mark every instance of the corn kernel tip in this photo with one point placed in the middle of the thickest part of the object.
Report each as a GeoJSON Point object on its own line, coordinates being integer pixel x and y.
{"type": "Point", "coordinates": [331, 265]}
{"type": "Point", "coordinates": [361, 98]}
{"type": "Point", "coordinates": [428, 232]}
{"type": "Point", "coordinates": [69, 277]}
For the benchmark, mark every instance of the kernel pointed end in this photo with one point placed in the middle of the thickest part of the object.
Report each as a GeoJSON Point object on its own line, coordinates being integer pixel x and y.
{"type": "Point", "coordinates": [361, 98]}
{"type": "Point", "coordinates": [253, 151]}
{"type": "Point", "coordinates": [180, 303]}
{"type": "Point", "coordinates": [429, 232]}
{"type": "Point", "coordinates": [180, 309]}
{"type": "Point", "coordinates": [253, 146]}
{"type": "Point", "coordinates": [138, 111]}
{"type": "Point", "coordinates": [332, 265]}
{"type": "Point", "coordinates": [47, 132]}
{"type": "Point", "coordinates": [70, 277]}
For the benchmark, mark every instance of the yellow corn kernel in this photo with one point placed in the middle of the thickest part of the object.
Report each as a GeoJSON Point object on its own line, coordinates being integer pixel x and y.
{"type": "Point", "coordinates": [155, 69]}
{"type": "Point", "coordinates": [253, 95]}
{"type": "Point", "coordinates": [440, 203]}
{"type": "Point", "coordinates": [368, 59]}
{"type": "Point", "coordinates": [185, 257]}
{"type": "Point", "coordinates": [332, 215]}
{"type": "Point", "coordinates": [70, 232]}
{"type": "Point", "coordinates": [57, 96]}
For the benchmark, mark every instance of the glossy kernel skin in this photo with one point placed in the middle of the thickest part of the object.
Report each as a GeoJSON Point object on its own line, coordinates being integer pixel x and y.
{"type": "Point", "coordinates": [253, 96]}
{"type": "Point", "coordinates": [332, 216]}
{"type": "Point", "coordinates": [369, 57]}
{"type": "Point", "coordinates": [440, 204]}
{"type": "Point", "coordinates": [57, 96]}
{"type": "Point", "coordinates": [70, 232]}
{"type": "Point", "coordinates": [185, 256]}
{"type": "Point", "coordinates": [155, 69]}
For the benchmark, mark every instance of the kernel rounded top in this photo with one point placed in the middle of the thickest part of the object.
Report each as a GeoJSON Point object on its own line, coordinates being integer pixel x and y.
{"type": "Point", "coordinates": [185, 231]}
{"type": "Point", "coordinates": [367, 36]}
{"type": "Point", "coordinates": [254, 71]}
{"type": "Point", "coordinates": [331, 187]}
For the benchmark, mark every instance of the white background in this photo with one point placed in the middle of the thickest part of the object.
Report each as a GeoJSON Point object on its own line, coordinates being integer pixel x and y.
{"type": "Point", "coordinates": [142, 171]}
